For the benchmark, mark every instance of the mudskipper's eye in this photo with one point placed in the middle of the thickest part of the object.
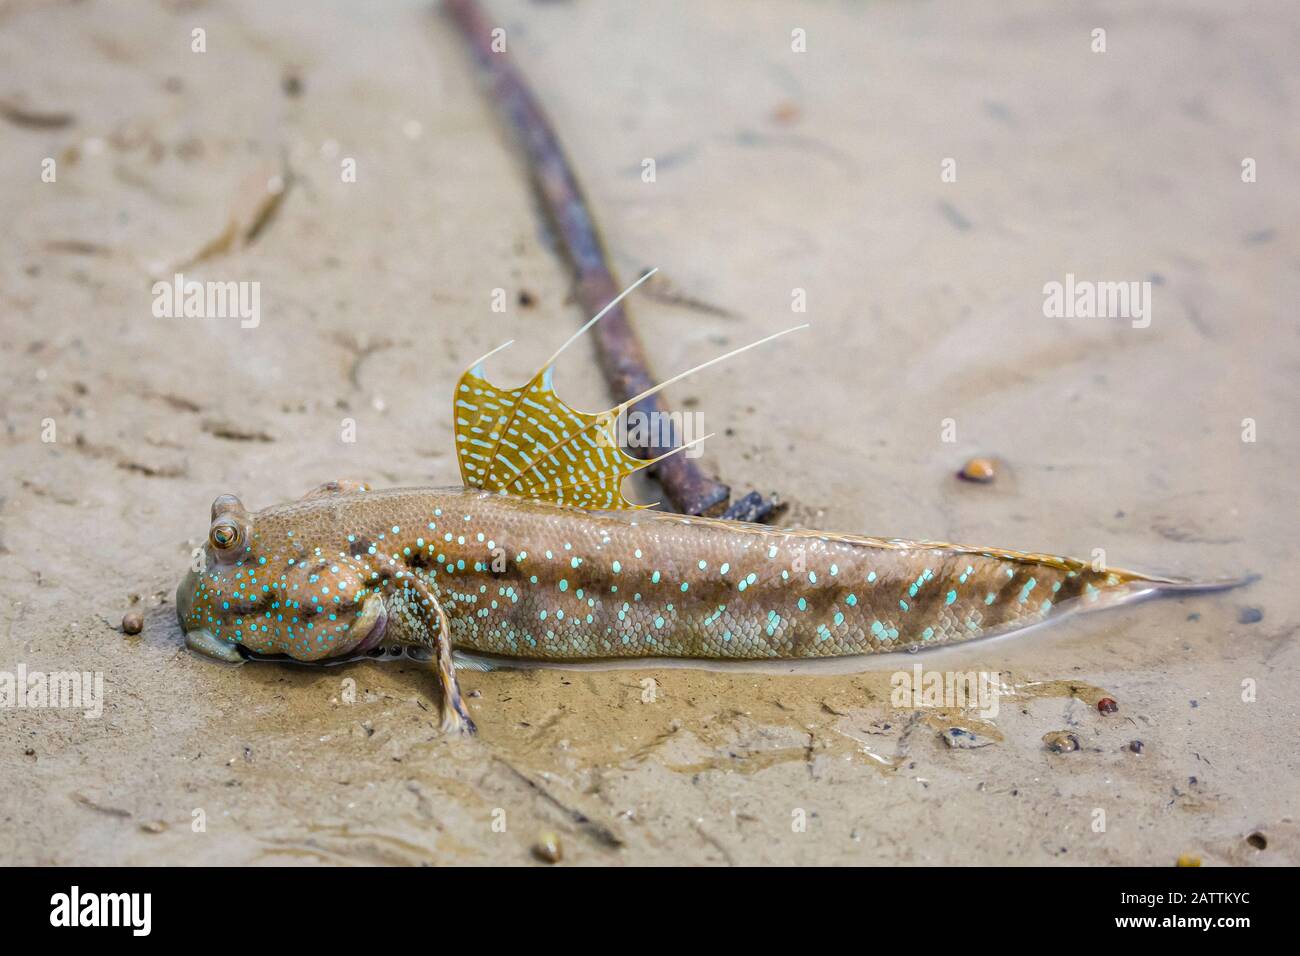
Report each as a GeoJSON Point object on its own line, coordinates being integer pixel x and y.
{"type": "Point", "coordinates": [224, 535]}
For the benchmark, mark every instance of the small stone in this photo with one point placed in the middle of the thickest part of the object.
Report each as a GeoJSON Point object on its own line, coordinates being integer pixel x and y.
{"type": "Point", "coordinates": [132, 622]}
{"type": "Point", "coordinates": [153, 826]}
{"type": "Point", "coordinates": [527, 299]}
{"type": "Point", "coordinates": [959, 738]}
{"type": "Point", "coordinates": [1107, 706]}
{"type": "Point", "coordinates": [1250, 615]}
{"type": "Point", "coordinates": [1061, 741]}
{"type": "Point", "coordinates": [983, 470]}
{"type": "Point", "coordinates": [786, 113]}
{"type": "Point", "coordinates": [1136, 746]}
{"type": "Point", "coordinates": [1257, 840]}
{"type": "Point", "coordinates": [1188, 860]}
{"type": "Point", "coordinates": [548, 848]}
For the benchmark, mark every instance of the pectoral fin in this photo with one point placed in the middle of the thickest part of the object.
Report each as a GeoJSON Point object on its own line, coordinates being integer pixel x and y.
{"type": "Point", "coordinates": [455, 716]}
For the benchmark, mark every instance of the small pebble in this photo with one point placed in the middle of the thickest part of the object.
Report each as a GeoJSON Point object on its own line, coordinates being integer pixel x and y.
{"type": "Point", "coordinates": [959, 738]}
{"type": "Point", "coordinates": [786, 113]}
{"type": "Point", "coordinates": [1107, 705]}
{"type": "Point", "coordinates": [153, 826]}
{"type": "Point", "coordinates": [527, 299]}
{"type": "Point", "coordinates": [1250, 615]}
{"type": "Point", "coordinates": [1136, 746]}
{"type": "Point", "coordinates": [132, 622]}
{"type": "Point", "coordinates": [1257, 840]}
{"type": "Point", "coordinates": [1188, 860]}
{"type": "Point", "coordinates": [1061, 741]}
{"type": "Point", "coordinates": [982, 470]}
{"type": "Point", "coordinates": [548, 848]}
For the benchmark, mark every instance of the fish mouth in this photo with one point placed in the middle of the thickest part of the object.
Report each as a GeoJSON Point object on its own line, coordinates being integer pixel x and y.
{"type": "Point", "coordinates": [209, 645]}
{"type": "Point", "coordinates": [200, 639]}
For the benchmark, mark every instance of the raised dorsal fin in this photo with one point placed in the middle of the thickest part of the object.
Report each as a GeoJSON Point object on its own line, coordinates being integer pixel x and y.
{"type": "Point", "coordinates": [529, 443]}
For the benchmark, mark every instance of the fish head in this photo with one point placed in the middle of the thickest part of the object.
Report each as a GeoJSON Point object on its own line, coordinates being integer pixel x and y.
{"type": "Point", "coordinates": [261, 584]}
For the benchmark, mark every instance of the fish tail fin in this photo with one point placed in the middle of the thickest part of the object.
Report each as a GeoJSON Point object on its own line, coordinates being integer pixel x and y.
{"type": "Point", "coordinates": [1163, 585]}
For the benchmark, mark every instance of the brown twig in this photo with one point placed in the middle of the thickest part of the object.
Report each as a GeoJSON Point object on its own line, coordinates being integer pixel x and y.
{"type": "Point", "coordinates": [622, 357]}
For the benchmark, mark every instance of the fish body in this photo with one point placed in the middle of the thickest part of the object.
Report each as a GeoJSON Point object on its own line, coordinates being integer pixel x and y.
{"type": "Point", "coordinates": [527, 579]}
{"type": "Point", "coordinates": [541, 557]}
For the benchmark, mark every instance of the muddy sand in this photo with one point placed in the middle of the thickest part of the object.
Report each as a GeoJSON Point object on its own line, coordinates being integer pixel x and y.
{"type": "Point", "coordinates": [775, 171]}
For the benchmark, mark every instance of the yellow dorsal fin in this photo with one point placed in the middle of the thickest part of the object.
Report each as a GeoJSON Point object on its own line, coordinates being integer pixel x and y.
{"type": "Point", "coordinates": [529, 443]}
